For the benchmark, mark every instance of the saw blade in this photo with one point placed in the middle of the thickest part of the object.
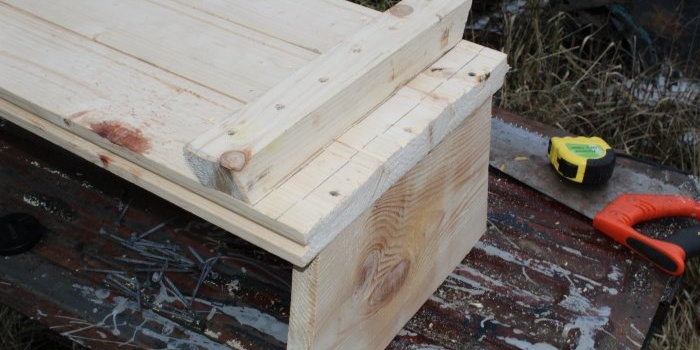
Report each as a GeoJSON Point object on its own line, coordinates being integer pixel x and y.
{"type": "Point", "coordinates": [521, 153]}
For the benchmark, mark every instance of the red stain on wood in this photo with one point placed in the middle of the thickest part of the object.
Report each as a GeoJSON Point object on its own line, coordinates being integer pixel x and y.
{"type": "Point", "coordinates": [105, 160]}
{"type": "Point", "coordinates": [122, 135]}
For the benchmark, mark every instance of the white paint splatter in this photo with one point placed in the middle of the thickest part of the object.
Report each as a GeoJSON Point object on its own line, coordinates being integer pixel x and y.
{"type": "Point", "coordinates": [211, 314]}
{"type": "Point", "coordinates": [615, 274]}
{"type": "Point", "coordinates": [118, 309]}
{"type": "Point", "coordinates": [634, 328]}
{"type": "Point", "coordinates": [572, 251]}
{"type": "Point", "coordinates": [524, 345]}
{"type": "Point", "coordinates": [590, 319]}
{"type": "Point", "coordinates": [406, 333]}
{"type": "Point", "coordinates": [425, 347]}
{"type": "Point", "coordinates": [212, 334]}
{"type": "Point", "coordinates": [187, 340]}
{"type": "Point", "coordinates": [89, 293]}
{"type": "Point", "coordinates": [235, 344]}
{"type": "Point", "coordinates": [486, 319]}
{"type": "Point", "coordinates": [634, 342]}
{"type": "Point", "coordinates": [258, 320]}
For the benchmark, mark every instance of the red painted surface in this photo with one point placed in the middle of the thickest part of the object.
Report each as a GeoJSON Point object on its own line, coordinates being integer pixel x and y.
{"type": "Point", "coordinates": [540, 277]}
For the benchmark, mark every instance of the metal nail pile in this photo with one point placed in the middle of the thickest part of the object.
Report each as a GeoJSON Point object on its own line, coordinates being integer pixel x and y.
{"type": "Point", "coordinates": [144, 276]}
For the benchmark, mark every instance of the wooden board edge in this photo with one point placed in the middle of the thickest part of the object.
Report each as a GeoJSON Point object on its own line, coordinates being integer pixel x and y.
{"type": "Point", "coordinates": [326, 230]}
{"type": "Point", "coordinates": [245, 228]}
{"type": "Point", "coordinates": [364, 286]}
{"type": "Point", "coordinates": [324, 98]}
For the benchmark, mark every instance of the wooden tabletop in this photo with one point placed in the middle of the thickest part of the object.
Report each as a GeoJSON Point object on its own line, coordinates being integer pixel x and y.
{"type": "Point", "coordinates": [541, 277]}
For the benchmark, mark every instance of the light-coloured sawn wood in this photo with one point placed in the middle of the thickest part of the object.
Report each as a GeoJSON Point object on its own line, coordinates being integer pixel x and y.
{"type": "Point", "coordinates": [118, 102]}
{"type": "Point", "coordinates": [292, 22]}
{"type": "Point", "coordinates": [239, 225]}
{"type": "Point", "coordinates": [365, 161]}
{"type": "Point", "coordinates": [359, 291]}
{"type": "Point", "coordinates": [251, 152]}
{"type": "Point", "coordinates": [232, 59]}
{"type": "Point", "coordinates": [87, 87]}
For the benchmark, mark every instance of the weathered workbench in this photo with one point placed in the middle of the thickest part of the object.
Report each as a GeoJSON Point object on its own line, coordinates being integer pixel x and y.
{"type": "Point", "coordinates": [540, 277]}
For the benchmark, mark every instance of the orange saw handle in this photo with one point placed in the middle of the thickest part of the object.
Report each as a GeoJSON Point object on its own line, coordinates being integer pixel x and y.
{"type": "Point", "coordinates": [619, 216]}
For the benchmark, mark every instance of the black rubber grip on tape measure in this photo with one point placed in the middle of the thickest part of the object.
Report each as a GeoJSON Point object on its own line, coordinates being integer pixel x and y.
{"type": "Point", "coordinates": [599, 170]}
{"type": "Point", "coordinates": [567, 169]}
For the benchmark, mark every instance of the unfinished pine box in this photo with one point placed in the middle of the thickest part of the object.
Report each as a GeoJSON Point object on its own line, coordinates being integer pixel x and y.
{"type": "Point", "coordinates": [352, 143]}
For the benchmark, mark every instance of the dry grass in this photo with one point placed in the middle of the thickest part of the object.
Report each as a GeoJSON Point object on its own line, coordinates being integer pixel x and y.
{"type": "Point", "coordinates": [18, 332]}
{"type": "Point", "coordinates": [585, 79]}
{"type": "Point", "coordinates": [681, 330]}
{"type": "Point", "coordinates": [379, 5]}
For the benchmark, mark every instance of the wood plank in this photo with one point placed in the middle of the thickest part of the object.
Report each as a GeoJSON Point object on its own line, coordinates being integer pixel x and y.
{"type": "Point", "coordinates": [543, 278]}
{"type": "Point", "coordinates": [248, 229]}
{"type": "Point", "coordinates": [229, 58]}
{"type": "Point", "coordinates": [252, 151]}
{"type": "Point", "coordinates": [123, 105]}
{"type": "Point", "coordinates": [391, 141]}
{"type": "Point", "coordinates": [86, 87]}
{"type": "Point", "coordinates": [240, 225]}
{"type": "Point", "coordinates": [317, 26]}
{"type": "Point", "coordinates": [399, 251]}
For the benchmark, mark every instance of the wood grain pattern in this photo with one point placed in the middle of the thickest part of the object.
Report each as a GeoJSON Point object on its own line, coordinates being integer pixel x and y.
{"type": "Point", "coordinates": [229, 58]}
{"type": "Point", "coordinates": [337, 165]}
{"type": "Point", "coordinates": [392, 140]}
{"type": "Point", "coordinates": [393, 256]}
{"type": "Point", "coordinates": [283, 19]}
{"type": "Point", "coordinates": [240, 225]}
{"type": "Point", "coordinates": [324, 98]}
{"type": "Point", "coordinates": [136, 117]}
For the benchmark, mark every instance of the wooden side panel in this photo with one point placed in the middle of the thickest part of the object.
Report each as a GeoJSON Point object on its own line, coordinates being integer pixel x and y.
{"type": "Point", "coordinates": [388, 143]}
{"type": "Point", "coordinates": [366, 284]}
{"type": "Point", "coordinates": [249, 153]}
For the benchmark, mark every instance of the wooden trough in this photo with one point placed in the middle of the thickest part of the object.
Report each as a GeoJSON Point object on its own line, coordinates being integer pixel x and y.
{"type": "Point", "coordinates": [351, 143]}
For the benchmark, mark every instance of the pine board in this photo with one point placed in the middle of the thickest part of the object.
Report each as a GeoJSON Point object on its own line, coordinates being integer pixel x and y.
{"type": "Point", "coordinates": [251, 151]}
{"type": "Point", "coordinates": [121, 98]}
{"type": "Point", "coordinates": [398, 251]}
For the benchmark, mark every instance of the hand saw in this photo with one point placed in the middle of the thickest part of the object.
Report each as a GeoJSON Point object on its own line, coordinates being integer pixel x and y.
{"type": "Point", "coordinates": [636, 191]}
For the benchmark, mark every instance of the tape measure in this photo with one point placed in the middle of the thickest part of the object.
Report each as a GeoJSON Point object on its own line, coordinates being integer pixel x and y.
{"type": "Point", "coordinates": [586, 160]}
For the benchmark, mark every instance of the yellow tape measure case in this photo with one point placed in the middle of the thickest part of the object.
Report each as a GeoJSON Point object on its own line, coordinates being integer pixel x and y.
{"type": "Point", "coordinates": [586, 160]}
